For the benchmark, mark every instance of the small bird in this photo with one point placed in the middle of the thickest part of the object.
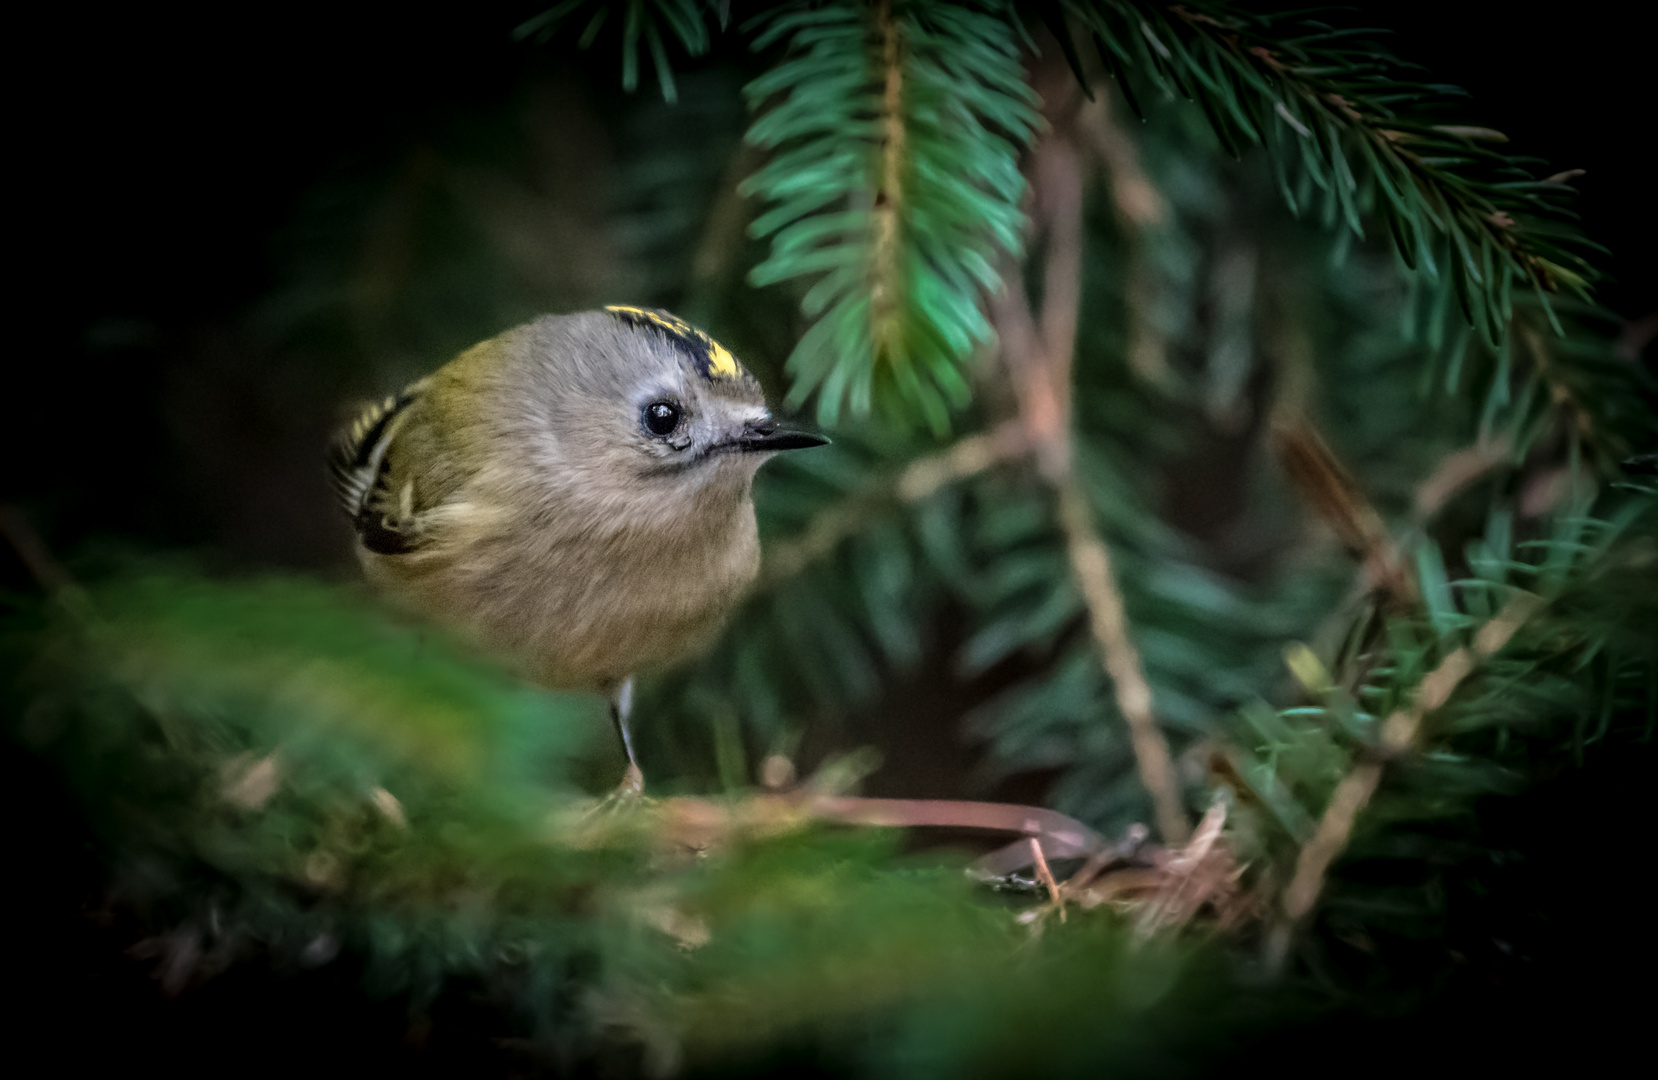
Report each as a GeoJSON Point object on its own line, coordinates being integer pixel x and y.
{"type": "Point", "coordinates": [576, 493]}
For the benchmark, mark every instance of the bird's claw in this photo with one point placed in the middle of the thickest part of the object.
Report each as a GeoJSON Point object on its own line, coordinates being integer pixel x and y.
{"type": "Point", "coordinates": [629, 793]}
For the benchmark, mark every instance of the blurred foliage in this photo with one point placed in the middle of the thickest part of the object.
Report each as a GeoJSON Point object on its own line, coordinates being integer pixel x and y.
{"type": "Point", "coordinates": [277, 768]}
{"type": "Point", "coordinates": [1298, 234]}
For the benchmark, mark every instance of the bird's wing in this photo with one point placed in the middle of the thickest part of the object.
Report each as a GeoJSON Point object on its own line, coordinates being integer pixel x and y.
{"type": "Point", "coordinates": [358, 469]}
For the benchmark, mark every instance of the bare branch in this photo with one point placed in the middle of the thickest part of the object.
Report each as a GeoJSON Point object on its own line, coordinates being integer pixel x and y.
{"type": "Point", "coordinates": [1037, 353]}
{"type": "Point", "coordinates": [1456, 471]}
{"type": "Point", "coordinates": [41, 564]}
{"type": "Point", "coordinates": [1332, 493]}
{"type": "Point", "coordinates": [1046, 877]}
{"type": "Point", "coordinates": [1091, 566]}
{"type": "Point", "coordinates": [1061, 837]}
{"type": "Point", "coordinates": [1140, 207]}
{"type": "Point", "coordinates": [922, 477]}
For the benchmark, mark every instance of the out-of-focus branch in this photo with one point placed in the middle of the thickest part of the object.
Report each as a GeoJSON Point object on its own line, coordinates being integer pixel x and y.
{"type": "Point", "coordinates": [1037, 351]}
{"type": "Point", "coordinates": [698, 824]}
{"type": "Point", "coordinates": [1140, 207]}
{"type": "Point", "coordinates": [1133, 194]}
{"type": "Point", "coordinates": [1332, 493]}
{"type": "Point", "coordinates": [968, 457]}
{"type": "Point", "coordinates": [1166, 888]}
{"type": "Point", "coordinates": [1458, 470]}
{"type": "Point", "coordinates": [1091, 567]}
{"type": "Point", "coordinates": [715, 258]}
{"type": "Point", "coordinates": [17, 530]}
{"type": "Point", "coordinates": [1399, 734]}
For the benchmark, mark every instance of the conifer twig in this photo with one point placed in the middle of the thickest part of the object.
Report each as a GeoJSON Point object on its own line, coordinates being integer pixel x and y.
{"type": "Point", "coordinates": [967, 457]}
{"type": "Point", "coordinates": [1456, 471]}
{"type": "Point", "coordinates": [1046, 877]}
{"type": "Point", "coordinates": [884, 298]}
{"type": "Point", "coordinates": [1058, 835]}
{"type": "Point", "coordinates": [1038, 354]}
{"type": "Point", "coordinates": [38, 559]}
{"type": "Point", "coordinates": [1399, 734]}
{"type": "Point", "coordinates": [1332, 493]}
{"type": "Point", "coordinates": [697, 823]}
{"type": "Point", "coordinates": [1091, 566]}
{"type": "Point", "coordinates": [1140, 208]}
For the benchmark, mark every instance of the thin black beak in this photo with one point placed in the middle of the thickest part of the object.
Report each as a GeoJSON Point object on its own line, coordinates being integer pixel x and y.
{"type": "Point", "coordinates": [766, 436]}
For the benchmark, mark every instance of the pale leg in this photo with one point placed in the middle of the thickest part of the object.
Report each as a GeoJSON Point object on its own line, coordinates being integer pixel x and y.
{"type": "Point", "coordinates": [621, 704]}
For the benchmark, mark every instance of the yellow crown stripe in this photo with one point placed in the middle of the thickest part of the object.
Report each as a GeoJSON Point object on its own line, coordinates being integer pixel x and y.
{"type": "Point", "coordinates": [666, 322]}
{"type": "Point", "coordinates": [721, 364]}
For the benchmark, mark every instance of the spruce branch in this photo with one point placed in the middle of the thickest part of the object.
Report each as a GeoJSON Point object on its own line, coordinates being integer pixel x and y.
{"type": "Point", "coordinates": [1544, 381]}
{"type": "Point", "coordinates": [1342, 125]}
{"type": "Point", "coordinates": [650, 21]}
{"type": "Point", "coordinates": [894, 130]}
{"type": "Point", "coordinates": [1398, 735]}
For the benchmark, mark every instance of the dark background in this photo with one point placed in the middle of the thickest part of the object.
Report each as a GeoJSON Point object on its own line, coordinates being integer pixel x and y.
{"type": "Point", "coordinates": [163, 158]}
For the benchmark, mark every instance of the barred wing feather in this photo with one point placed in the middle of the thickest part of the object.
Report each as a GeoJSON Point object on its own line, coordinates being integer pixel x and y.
{"type": "Point", "coordinates": [356, 468]}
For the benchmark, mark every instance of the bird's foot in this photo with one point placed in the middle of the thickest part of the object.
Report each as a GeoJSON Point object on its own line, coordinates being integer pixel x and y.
{"type": "Point", "coordinates": [630, 793]}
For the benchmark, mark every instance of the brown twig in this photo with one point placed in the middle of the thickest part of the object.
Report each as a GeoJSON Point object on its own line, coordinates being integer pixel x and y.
{"type": "Point", "coordinates": [1046, 877]}
{"type": "Point", "coordinates": [1162, 888]}
{"type": "Point", "coordinates": [1399, 734]}
{"type": "Point", "coordinates": [1037, 352]}
{"type": "Point", "coordinates": [1332, 493]}
{"type": "Point", "coordinates": [691, 824]}
{"type": "Point", "coordinates": [1140, 207]}
{"type": "Point", "coordinates": [1134, 196]}
{"type": "Point", "coordinates": [1061, 836]}
{"type": "Point", "coordinates": [966, 458]}
{"type": "Point", "coordinates": [1091, 566]}
{"type": "Point", "coordinates": [37, 558]}
{"type": "Point", "coordinates": [1456, 471]}
{"type": "Point", "coordinates": [1202, 872]}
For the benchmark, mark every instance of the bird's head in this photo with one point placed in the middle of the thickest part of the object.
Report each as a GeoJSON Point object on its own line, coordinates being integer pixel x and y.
{"type": "Point", "coordinates": [645, 409]}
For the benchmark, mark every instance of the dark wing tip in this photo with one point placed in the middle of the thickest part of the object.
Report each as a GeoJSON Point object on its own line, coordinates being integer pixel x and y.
{"type": "Point", "coordinates": [377, 536]}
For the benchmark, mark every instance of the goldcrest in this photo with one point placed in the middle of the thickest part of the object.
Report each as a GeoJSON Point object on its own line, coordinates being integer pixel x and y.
{"type": "Point", "coordinates": [575, 493]}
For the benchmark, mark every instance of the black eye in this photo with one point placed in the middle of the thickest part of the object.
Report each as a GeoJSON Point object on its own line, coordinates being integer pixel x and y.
{"type": "Point", "coordinates": [661, 417]}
